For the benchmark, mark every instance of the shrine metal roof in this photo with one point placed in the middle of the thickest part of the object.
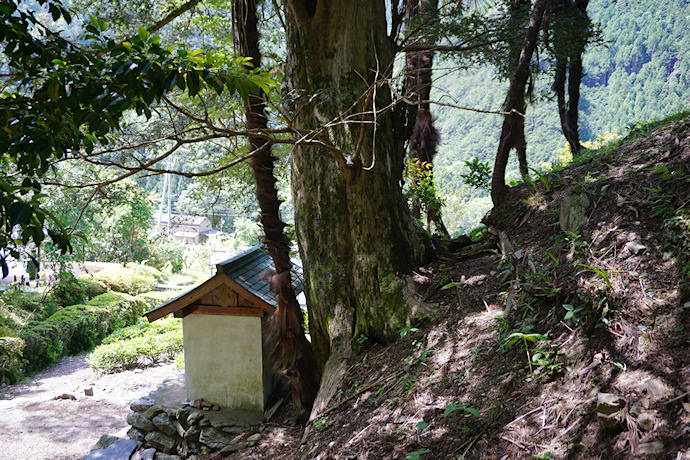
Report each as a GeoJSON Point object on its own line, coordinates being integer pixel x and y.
{"type": "Point", "coordinates": [247, 268]}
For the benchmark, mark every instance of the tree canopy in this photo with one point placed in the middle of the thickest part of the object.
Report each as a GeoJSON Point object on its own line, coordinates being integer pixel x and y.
{"type": "Point", "coordinates": [64, 98]}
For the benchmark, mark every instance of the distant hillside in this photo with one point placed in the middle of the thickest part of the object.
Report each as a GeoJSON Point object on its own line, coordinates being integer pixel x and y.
{"type": "Point", "coordinates": [642, 73]}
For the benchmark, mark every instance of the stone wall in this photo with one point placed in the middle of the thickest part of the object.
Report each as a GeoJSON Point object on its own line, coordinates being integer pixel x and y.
{"type": "Point", "coordinates": [189, 429]}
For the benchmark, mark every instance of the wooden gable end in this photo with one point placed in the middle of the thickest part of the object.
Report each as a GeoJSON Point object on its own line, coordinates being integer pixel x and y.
{"type": "Point", "coordinates": [223, 300]}
{"type": "Point", "coordinates": [220, 295]}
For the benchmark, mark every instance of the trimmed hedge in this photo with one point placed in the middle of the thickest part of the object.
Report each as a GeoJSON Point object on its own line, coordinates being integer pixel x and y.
{"type": "Point", "coordinates": [132, 279]}
{"type": "Point", "coordinates": [138, 346]}
{"type": "Point", "coordinates": [71, 291]}
{"type": "Point", "coordinates": [77, 328]}
{"type": "Point", "coordinates": [11, 359]}
{"type": "Point", "coordinates": [39, 306]}
{"type": "Point", "coordinates": [154, 299]}
{"type": "Point", "coordinates": [110, 298]}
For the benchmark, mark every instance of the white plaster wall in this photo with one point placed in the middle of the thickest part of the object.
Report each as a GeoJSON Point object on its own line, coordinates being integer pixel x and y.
{"type": "Point", "coordinates": [223, 360]}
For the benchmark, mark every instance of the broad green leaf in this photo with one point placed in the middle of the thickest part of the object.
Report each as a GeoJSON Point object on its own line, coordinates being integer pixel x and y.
{"type": "Point", "coordinates": [144, 34]}
{"type": "Point", "coordinates": [193, 83]}
{"type": "Point", "coordinates": [454, 407]}
{"type": "Point", "coordinates": [53, 90]}
{"type": "Point", "coordinates": [19, 213]}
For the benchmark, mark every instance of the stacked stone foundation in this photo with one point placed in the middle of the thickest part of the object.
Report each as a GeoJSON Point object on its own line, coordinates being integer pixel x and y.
{"type": "Point", "coordinates": [185, 430]}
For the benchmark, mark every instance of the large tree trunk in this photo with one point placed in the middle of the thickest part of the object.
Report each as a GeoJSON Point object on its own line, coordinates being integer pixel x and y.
{"type": "Point", "coordinates": [357, 238]}
{"type": "Point", "coordinates": [513, 130]}
{"type": "Point", "coordinates": [293, 354]}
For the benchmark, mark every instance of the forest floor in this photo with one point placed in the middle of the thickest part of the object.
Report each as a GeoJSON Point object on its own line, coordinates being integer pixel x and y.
{"type": "Point", "coordinates": [34, 425]}
{"type": "Point", "coordinates": [528, 339]}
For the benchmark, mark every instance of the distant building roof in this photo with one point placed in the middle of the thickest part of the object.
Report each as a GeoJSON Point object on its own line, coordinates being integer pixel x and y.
{"type": "Point", "coordinates": [181, 219]}
{"type": "Point", "coordinates": [187, 234]}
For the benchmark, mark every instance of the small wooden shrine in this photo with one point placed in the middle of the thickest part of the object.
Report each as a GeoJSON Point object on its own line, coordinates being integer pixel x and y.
{"type": "Point", "coordinates": [223, 321]}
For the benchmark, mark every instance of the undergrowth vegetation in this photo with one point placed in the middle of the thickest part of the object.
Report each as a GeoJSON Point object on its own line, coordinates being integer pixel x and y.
{"type": "Point", "coordinates": [76, 328]}
{"type": "Point", "coordinates": [589, 295]}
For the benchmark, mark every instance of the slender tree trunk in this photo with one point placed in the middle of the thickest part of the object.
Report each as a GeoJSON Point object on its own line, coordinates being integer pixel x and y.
{"type": "Point", "coordinates": [423, 136]}
{"type": "Point", "coordinates": [293, 354]}
{"type": "Point", "coordinates": [569, 65]}
{"type": "Point", "coordinates": [513, 130]}
{"type": "Point", "coordinates": [357, 238]}
{"type": "Point", "coordinates": [572, 114]}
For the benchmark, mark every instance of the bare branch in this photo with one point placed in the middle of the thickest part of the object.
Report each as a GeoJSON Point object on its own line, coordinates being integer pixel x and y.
{"type": "Point", "coordinates": [448, 48]}
{"type": "Point", "coordinates": [179, 11]}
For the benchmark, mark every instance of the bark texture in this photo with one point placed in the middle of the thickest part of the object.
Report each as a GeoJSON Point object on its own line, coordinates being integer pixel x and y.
{"type": "Point", "coordinates": [513, 129]}
{"type": "Point", "coordinates": [357, 237]}
{"type": "Point", "coordinates": [293, 355]}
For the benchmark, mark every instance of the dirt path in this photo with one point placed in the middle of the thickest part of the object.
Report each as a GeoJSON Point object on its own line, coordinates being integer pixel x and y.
{"type": "Point", "coordinates": [35, 426]}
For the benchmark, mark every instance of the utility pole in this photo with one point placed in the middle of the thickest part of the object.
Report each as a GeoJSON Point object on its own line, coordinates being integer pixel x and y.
{"type": "Point", "coordinates": [166, 193]}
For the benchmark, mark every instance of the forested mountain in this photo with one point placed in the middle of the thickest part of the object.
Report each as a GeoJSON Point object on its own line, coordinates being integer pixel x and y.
{"type": "Point", "coordinates": [641, 72]}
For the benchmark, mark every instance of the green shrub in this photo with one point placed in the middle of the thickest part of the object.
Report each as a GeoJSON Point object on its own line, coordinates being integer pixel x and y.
{"type": "Point", "coordinates": [143, 327]}
{"type": "Point", "coordinates": [126, 309]}
{"type": "Point", "coordinates": [110, 298]}
{"type": "Point", "coordinates": [11, 319]}
{"type": "Point", "coordinates": [40, 306]}
{"type": "Point", "coordinates": [146, 271]}
{"type": "Point", "coordinates": [69, 290]}
{"type": "Point", "coordinates": [43, 344]}
{"type": "Point", "coordinates": [154, 299]}
{"type": "Point", "coordinates": [136, 330]}
{"type": "Point", "coordinates": [140, 345]}
{"type": "Point", "coordinates": [11, 359]}
{"type": "Point", "coordinates": [93, 287]}
{"type": "Point", "coordinates": [132, 279]}
{"type": "Point", "coordinates": [166, 254]}
{"type": "Point", "coordinates": [81, 326]}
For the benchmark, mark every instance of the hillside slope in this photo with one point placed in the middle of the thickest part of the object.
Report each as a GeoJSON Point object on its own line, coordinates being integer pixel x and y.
{"type": "Point", "coordinates": [602, 313]}
{"type": "Point", "coordinates": [641, 73]}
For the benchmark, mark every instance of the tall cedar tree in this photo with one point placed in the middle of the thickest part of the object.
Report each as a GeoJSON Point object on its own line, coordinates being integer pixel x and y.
{"type": "Point", "coordinates": [357, 238]}
{"type": "Point", "coordinates": [513, 129]}
{"type": "Point", "coordinates": [292, 353]}
{"type": "Point", "coordinates": [424, 137]}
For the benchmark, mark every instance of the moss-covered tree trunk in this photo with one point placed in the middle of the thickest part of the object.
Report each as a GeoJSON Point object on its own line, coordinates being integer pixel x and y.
{"type": "Point", "coordinates": [357, 238]}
